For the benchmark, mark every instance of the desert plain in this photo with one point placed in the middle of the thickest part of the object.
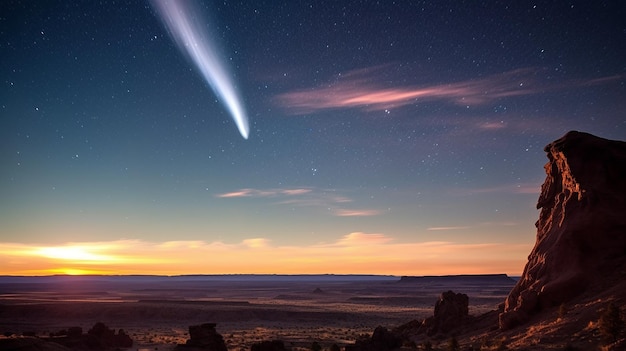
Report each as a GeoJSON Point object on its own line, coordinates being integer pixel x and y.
{"type": "Point", "coordinates": [299, 310]}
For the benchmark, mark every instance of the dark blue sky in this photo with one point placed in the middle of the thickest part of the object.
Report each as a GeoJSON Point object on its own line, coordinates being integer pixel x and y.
{"type": "Point", "coordinates": [392, 123]}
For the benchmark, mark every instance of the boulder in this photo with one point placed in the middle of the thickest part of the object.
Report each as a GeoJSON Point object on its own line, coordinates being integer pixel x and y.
{"type": "Point", "coordinates": [204, 337]}
{"type": "Point", "coordinates": [451, 311]}
{"type": "Point", "coordinates": [99, 337]}
{"type": "Point", "coordinates": [581, 231]}
{"type": "Point", "coordinates": [381, 340]}
{"type": "Point", "coordinates": [74, 332]}
{"type": "Point", "coordinates": [108, 338]}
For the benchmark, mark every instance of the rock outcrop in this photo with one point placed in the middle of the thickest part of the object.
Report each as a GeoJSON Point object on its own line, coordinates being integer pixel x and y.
{"type": "Point", "coordinates": [381, 340]}
{"type": "Point", "coordinates": [108, 338]}
{"type": "Point", "coordinates": [451, 311]}
{"type": "Point", "coordinates": [204, 337]}
{"type": "Point", "coordinates": [99, 337]}
{"type": "Point", "coordinates": [451, 316]}
{"type": "Point", "coordinates": [581, 231]}
{"type": "Point", "coordinates": [30, 344]}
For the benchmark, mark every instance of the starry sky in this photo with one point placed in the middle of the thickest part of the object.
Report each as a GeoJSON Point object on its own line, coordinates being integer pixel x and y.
{"type": "Point", "coordinates": [385, 137]}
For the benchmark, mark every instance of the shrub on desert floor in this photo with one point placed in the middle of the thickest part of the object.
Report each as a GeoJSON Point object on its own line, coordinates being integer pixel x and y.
{"type": "Point", "coordinates": [490, 344]}
{"type": "Point", "coordinates": [268, 345]}
{"type": "Point", "coordinates": [562, 310]}
{"type": "Point", "coordinates": [611, 323]}
{"type": "Point", "coordinates": [453, 344]}
{"type": "Point", "coordinates": [569, 347]}
{"type": "Point", "coordinates": [427, 345]}
{"type": "Point", "coordinates": [410, 344]}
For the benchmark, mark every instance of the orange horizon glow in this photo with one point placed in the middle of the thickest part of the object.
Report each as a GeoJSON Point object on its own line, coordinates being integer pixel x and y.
{"type": "Point", "coordinates": [355, 253]}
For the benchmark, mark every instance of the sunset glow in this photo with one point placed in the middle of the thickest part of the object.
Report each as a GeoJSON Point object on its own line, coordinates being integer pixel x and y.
{"type": "Point", "coordinates": [355, 253]}
{"type": "Point", "coordinates": [72, 254]}
{"type": "Point", "coordinates": [375, 137]}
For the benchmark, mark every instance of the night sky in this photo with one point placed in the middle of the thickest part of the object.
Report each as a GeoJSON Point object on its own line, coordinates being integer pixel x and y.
{"type": "Point", "coordinates": [385, 137]}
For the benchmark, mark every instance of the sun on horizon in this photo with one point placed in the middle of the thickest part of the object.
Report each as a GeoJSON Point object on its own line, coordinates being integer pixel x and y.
{"type": "Point", "coordinates": [356, 253]}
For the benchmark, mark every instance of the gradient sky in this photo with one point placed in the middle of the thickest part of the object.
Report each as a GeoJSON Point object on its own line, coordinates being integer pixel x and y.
{"type": "Point", "coordinates": [401, 138]}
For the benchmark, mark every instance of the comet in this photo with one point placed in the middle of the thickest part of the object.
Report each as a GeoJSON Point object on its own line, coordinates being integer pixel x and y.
{"type": "Point", "coordinates": [188, 30]}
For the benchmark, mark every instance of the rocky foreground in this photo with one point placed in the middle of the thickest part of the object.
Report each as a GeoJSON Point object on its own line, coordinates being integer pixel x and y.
{"type": "Point", "coordinates": [571, 296]}
{"type": "Point", "coordinates": [572, 293]}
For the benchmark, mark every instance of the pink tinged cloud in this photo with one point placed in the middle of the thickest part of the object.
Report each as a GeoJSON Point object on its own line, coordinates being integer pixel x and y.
{"type": "Point", "coordinates": [492, 125]}
{"type": "Point", "coordinates": [357, 90]}
{"type": "Point", "coordinates": [295, 191]}
{"type": "Point", "coordinates": [304, 197]}
{"type": "Point", "coordinates": [354, 90]}
{"type": "Point", "coordinates": [448, 228]}
{"type": "Point", "coordinates": [239, 193]}
{"type": "Point", "coordinates": [356, 213]}
{"type": "Point", "coordinates": [264, 193]}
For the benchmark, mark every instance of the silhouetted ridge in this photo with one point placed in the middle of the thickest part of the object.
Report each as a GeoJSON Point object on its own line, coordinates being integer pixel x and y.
{"type": "Point", "coordinates": [459, 279]}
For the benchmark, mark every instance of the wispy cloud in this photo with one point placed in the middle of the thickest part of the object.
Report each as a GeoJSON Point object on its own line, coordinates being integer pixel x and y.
{"type": "Point", "coordinates": [448, 228]}
{"type": "Point", "coordinates": [360, 239]}
{"type": "Point", "coordinates": [356, 252]}
{"type": "Point", "coordinates": [466, 227]}
{"type": "Point", "coordinates": [516, 188]}
{"type": "Point", "coordinates": [296, 191]}
{"type": "Point", "coordinates": [306, 197]}
{"type": "Point", "coordinates": [356, 213]}
{"type": "Point", "coordinates": [361, 89]}
{"type": "Point", "coordinates": [256, 242]}
{"type": "Point", "coordinates": [265, 193]}
{"type": "Point", "coordinates": [491, 125]}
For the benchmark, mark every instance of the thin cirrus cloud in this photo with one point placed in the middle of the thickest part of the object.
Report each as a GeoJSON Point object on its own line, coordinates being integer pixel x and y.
{"type": "Point", "coordinates": [517, 188]}
{"type": "Point", "coordinates": [360, 239]}
{"type": "Point", "coordinates": [466, 227]}
{"type": "Point", "coordinates": [308, 197]}
{"type": "Point", "coordinates": [448, 228]}
{"type": "Point", "coordinates": [357, 90]}
{"type": "Point", "coordinates": [264, 193]}
{"type": "Point", "coordinates": [356, 213]}
{"type": "Point", "coordinates": [357, 252]}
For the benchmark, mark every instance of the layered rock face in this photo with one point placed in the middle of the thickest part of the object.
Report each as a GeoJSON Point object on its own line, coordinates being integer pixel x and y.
{"type": "Point", "coordinates": [581, 231]}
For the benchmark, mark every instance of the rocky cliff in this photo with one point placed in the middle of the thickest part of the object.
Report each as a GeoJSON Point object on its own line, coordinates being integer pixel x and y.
{"type": "Point", "coordinates": [581, 231]}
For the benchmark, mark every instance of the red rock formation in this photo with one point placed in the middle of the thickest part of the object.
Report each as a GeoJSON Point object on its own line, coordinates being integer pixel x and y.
{"type": "Point", "coordinates": [581, 231]}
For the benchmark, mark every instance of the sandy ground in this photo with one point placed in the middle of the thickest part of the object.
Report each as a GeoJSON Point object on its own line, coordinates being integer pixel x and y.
{"type": "Point", "coordinates": [157, 314]}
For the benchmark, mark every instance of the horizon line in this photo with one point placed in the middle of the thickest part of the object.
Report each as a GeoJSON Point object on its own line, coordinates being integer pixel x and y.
{"type": "Point", "coordinates": [260, 275]}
